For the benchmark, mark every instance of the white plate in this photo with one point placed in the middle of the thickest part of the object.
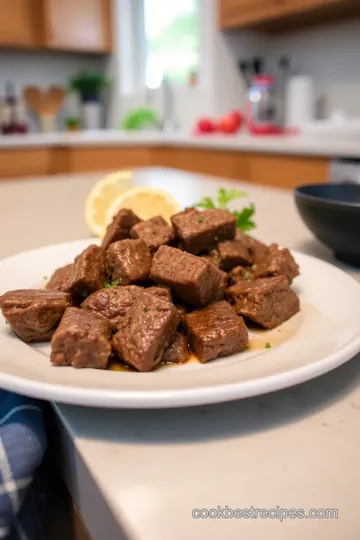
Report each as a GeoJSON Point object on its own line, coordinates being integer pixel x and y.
{"type": "Point", "coordinates": [325, 334]}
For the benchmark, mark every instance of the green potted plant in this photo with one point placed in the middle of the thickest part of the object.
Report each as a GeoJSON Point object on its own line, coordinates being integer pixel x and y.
{"type": "Point", "coordinates": [89, 87]}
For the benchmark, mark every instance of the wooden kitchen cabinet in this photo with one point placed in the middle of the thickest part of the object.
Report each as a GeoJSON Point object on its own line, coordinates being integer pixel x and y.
{"type": "Point", "coordinates": [78, 25]}
{"type": "Point", "coordinates": [238, 13]}
{"type": "Point", "coordinates": [20, 23]}
{"type": "Point", "coordinates": [264, 13]}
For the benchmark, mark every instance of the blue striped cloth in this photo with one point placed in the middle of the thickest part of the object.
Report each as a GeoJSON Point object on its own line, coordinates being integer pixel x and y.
{"type": "Point", "coordinates": [22, 448]}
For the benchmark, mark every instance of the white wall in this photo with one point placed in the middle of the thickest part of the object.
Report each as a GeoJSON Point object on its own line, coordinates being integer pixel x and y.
{"type": "Point", "coordinates": [330, 54]}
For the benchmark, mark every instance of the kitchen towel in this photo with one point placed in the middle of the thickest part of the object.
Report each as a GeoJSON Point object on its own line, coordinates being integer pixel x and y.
{"type": "Point", "coordinates": [22, 448]}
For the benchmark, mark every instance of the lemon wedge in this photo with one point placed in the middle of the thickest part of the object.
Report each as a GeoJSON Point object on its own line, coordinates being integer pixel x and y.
{"type": "Point", "coordinates": [101, 197]}
{"type": "Point", "coordinates": [145, 202]}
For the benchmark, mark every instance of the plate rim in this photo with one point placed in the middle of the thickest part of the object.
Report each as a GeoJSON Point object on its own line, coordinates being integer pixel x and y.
{"type": "Point", "coordinates": [182, 397]}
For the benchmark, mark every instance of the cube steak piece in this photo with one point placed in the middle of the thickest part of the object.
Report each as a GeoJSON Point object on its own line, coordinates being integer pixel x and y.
{"type": "Point", "coordinates": [257, 249]}
{"type": "Point", "coordinates": [178, 351]}
{"type": "Point", "coordinates": [278, 262]}
{"type": "Point", "coordinates": [82, 340]}
{"type": "Point", "coordinates": [201, 231]}
{"type": "Point", "coordinates": [120, 227]}
{"type": "Point", "coordinates": [268, 302]}
{"type": "Point", "coordinates": [155, 233]}
{"type": "Point", "coordinates": [59, 281]}
{"type": "Point", "coordinates": [88, 273]}
{"type": "Point", "coordinates": [193, 279]}
{"type": "Point", "coordinates": [34, 314]}
{"type": "Point", "coordinates": [112, 303]}
{"type": "Point", "coordinates": [240, 274]}
{"type": "Point", "coordinates": [213, 256]}
{"type": "Point", "coordinates": [215, 331]}
{"type": "Point", "coordinates": [233, 253]}
{"type": "Point", "coordinates": [160, 290]}
{"type": "Point", "coordinates": [147, 330]}
{"type": "Point", "coordinates": [128, 261]}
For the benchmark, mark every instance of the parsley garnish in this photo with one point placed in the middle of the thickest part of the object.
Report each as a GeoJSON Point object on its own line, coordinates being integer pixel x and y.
{"type": "Point", "coordinates": [85, 294]}
{"type": "Point", "coordinates": [243, 217]}
{"type": "Point", "coordinates": [146, 309]}
{"type": "Point", "coordinates": [201, 220]}
{"type": "Point", "coordinates": [108, 284]}
{"type": "Point", "coordinates": [267, 346]}
{"type": "Point", "coordinates": [45, 278]}
{"type": "Point", "coordinates": [224, 196]}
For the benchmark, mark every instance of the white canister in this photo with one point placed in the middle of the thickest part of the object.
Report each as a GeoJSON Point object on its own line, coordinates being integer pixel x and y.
{"type": "Point", "coordinates": [91, 113]}
{"type": "Point", "coordinates": [299, 101]}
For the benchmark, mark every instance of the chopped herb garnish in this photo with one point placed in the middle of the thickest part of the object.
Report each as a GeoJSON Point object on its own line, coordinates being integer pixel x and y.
{"type": "Point", "coordinates": [226, 196]}
{"type": "Point", "coordinates": [45, 278]}
{"type": "Point", "coordinates": [7, 322]}
{"type": "Point", "coordinates": [85, 294]}
{"type": "Point", "coordinates": [108, 284]}
{"type": "Point", "coordinates": [201, 220]}
{"type": "Point", "coordinates": [267, 346]}
{"type": "Point", "coordinates": [243, 217]}
{"type": "Point", "coordinates": [246, 277]}
{"type": "Point", "coordinates": [146, 309]}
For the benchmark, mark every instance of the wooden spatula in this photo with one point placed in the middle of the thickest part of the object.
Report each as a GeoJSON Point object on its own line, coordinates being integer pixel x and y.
{"type": "Point", "coordinates": [54, 99]}
{"type": "Point", "coordinates": [33, 98]}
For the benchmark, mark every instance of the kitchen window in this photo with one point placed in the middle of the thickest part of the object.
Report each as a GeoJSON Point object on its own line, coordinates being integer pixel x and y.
{"type": "Point", "coordinates": [171, 45]}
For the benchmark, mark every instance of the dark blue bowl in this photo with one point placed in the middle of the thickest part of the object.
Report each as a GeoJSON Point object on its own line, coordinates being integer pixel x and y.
{"type": "Point", "coordinates": [332, 213]}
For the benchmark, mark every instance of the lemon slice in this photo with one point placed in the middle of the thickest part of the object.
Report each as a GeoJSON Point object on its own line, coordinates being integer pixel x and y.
{"type": "Point", "coordinates": [145, 202]}
{"type": "Point", "coordinates": [102, 196]}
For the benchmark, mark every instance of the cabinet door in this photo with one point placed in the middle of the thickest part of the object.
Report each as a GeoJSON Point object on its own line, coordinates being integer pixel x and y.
{"type": "Point", "coordinates": [78, 25]}
{"type": "Point", "coordinates": [297, 6]}
{"type": "Point", "coordinates": [237, 13]}
{"type": "Point", "coordinates": [20, 23]}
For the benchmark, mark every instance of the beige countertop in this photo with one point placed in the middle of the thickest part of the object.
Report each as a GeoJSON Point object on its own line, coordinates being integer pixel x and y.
{"type": "Point", "coordinates": [137, 475]}
{"type": "Point", "coordinates": [289, 144]}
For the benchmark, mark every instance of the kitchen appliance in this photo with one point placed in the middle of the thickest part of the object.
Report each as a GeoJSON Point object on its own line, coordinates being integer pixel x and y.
{"type": "Point", "coordinates": [262, 106]}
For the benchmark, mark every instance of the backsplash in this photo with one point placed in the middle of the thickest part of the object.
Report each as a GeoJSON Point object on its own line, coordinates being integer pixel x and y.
{"type": "Point", "coordinates": [44, 69]}
{"type": "Point", "coordinates": [329, 54]}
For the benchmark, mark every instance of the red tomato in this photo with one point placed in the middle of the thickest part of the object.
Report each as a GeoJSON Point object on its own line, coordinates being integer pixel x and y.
{"type": "Point", "coordinates": [205, 125]}
{"type": "Point", "coordinates": [228, 124]}
{"type": "Point", "coordinates": [238, 117]}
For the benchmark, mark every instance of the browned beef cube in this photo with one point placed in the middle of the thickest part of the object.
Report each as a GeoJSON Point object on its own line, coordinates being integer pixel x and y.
{"type": "Point", "coordinates": [112, 303]}
{"type": "Point", "coordinates": [146, 331]}
{"type": "Point", "coordinates": [34, 314]}
{"type": "Point", "coordinates": [213, 256]}
{"type": "Point", "coordinates": [278, 262]}
{"type": "Point", "coordinates": [257, 250]}
{"type": "Point", "coordinates": [59, 281]}
{"type": "Point", "coordinates": [178, 351]}
{"type": "Point", "coordinates": [155, 233]}
{"type": "Point", "coordinates": [222, 287]}
{"type": "Point", "coordinates": [193, 279]}
{"type": "Point", "coordinates": [182, 308]}
{"type": "Point", "coordinates": [162, 291]}
{"type": "Point", "coordinates": [215, 331]}
{"type": "Point", "coordinates": [81, 341]}
{"type": "Point", "coordinates": [88, 273]}
{"type": "Point", "coordinates": [201, 231]}
{"type": "Point", "coordinates": [119, 228]}
{"type": "Point", "coordinates": [233, 253]}
{"type": "Point", "coordinates": [239, 274]}
{"type": "Point", "coordinates": [267, 302]}
{"type": "Point", "coordinates": [128, 261]}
